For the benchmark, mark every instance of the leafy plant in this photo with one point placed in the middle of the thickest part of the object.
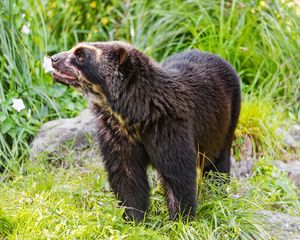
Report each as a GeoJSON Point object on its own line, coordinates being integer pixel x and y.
{"type": "Point", "coordinates": [23, 45]}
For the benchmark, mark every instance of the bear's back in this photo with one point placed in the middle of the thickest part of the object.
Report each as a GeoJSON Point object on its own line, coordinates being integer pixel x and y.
{"type": "Point", "coordinates": [203, 71]}
{"type": "Point", "coordinates": [214, 86]}
{"type": "Point", "coordinates": [192, 56]}
{"type": "Point", "coordinates": [195, 60]}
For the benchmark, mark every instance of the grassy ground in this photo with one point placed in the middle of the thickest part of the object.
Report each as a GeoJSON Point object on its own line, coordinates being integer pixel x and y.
{"type": "Point", "coordinates": [55, 203]}
{"type": "Point", "coordinates": [259, 38]}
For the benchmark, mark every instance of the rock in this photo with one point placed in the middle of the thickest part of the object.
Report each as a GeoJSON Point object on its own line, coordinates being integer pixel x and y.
{"type": "Point", "coordinates": [283, 226]}
{"type": "Point", "coordinates": [66, 138]}
{"type": "Point", "coordinates": [295, 132]}
{"type": "Point", "coordinates": [243, 167]}
{"type": "Point", "coordinates": [292, 168]}
{"type": "Point", "coordinates": [288, 139]}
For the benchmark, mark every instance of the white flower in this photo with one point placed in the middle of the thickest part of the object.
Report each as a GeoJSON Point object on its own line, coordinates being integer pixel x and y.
{"type": "Point", "coordinates": [18, 104]}
{"type": "Point", "coordinates": [47, 65]}
{"type": "Point", "coordinates": [25, 29]}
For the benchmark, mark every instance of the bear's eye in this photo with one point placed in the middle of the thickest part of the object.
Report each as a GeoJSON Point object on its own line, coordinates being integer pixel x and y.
{"type": "Point", "coordinates": [80, 56]}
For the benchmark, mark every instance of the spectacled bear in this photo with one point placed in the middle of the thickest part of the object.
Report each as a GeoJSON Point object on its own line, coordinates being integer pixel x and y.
{"type": "Point", "coordinates": [155, 114]}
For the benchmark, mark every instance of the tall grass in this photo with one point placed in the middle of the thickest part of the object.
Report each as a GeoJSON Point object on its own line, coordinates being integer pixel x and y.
{"type": "Point", "coordinates": [22, 77]}
{"type": "Point", "coordinates": [259, 38]}
{"type": "Point", "coordinates": [18, 66]}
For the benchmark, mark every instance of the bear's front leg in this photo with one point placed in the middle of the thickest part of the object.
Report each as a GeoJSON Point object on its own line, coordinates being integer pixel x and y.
{"type": "Point", "coordinates": [172, 152]}
{"type": "Point", "coordinates": [127, 175]}
{"type": "Point", "coordinates": [126, 164]}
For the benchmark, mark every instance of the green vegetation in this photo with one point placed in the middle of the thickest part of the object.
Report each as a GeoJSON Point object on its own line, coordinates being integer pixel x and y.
{"type": "Point", "coordinates": [259, 38]}
{"type": "Point", "coordinates": [75, 204]}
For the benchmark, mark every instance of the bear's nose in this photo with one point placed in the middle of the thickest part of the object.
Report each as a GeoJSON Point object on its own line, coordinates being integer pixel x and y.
{"type": "Point", "coordinates": [58, 59]}
{"type": "Point", "coordinates": [55, 58]}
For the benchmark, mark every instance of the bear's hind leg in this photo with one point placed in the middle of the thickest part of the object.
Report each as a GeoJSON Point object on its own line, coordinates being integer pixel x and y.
{"type": "Point", "coordinates": [221, 164]}
{"type": "Point", "coordinates": [180, 196]}
{"type": "Point", "coordinates": [171, 151]}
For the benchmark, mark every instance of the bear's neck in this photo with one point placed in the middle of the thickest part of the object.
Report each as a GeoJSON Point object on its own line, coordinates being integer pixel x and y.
{"type": "Point", "coordinates": [147, 94]}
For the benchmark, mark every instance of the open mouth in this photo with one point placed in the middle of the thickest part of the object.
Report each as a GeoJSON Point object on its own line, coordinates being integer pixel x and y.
{"type": "Point", "coordinates": [64, 78]}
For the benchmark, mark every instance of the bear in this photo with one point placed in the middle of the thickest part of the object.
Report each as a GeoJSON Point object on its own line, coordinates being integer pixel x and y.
{"type": "Point", "coordinates": [162, 115]}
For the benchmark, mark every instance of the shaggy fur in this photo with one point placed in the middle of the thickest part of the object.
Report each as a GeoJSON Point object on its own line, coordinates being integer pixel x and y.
{"type": "Point", "coordinates": [155, 114]}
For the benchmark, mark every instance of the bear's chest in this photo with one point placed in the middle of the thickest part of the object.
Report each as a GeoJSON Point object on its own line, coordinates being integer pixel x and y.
{"type": "Point", "coordinates": [117, 125]}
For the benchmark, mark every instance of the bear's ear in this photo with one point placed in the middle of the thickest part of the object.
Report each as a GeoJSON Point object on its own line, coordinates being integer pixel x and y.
{"type": "Point", "coordinates": [122, 55]}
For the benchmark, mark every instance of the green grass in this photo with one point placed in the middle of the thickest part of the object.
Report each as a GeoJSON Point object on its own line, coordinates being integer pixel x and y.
{"type": "Point", "coordinates": [259, 121]}
{"type": "Point", "coordinates": [56, 203]}
{"type": "Point", "coordinates": [259, 38]}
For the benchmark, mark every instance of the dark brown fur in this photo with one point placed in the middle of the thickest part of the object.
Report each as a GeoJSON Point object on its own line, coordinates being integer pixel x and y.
{"type": "Point", "coordinates": [156, 114]}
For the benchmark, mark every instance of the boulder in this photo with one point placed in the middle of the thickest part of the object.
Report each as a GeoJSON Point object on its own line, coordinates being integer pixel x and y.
{"type": "Point", "coordinates": [73, 139]}
{"type": "Point", "coordinates": [295, 132]}
{"type": "Point", "coordinates": [283, 226]}
{"type": "Point", "coordinates": [63, 139]}
{"type": "Point", "coordinates": [243, 167]}
{"type": "Point", "coordinates": [291, 137]}
{"type": "Point", "coordinates": [292, 168]}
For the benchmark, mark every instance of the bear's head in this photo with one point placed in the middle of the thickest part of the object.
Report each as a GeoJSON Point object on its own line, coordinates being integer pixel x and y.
{"type": "Point", "coordinates": [93, 68]}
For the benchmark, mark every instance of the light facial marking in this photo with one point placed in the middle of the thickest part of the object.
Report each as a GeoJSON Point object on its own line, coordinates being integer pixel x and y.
{"type": "Point", "coordinates": [97, 89]}
{"type": "Point", "coordinates": [82, 45]}
{"type": "Point", "coordinates": [95, 94]}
